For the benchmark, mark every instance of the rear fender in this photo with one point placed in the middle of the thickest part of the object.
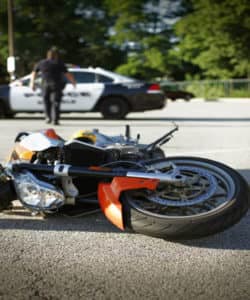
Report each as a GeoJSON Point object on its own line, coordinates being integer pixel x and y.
{"type": "Point", "coordinates": [109, 195]}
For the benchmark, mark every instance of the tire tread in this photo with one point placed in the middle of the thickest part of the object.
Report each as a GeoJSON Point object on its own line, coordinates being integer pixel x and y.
{"type": "Point", "coordinates": [175, 229]}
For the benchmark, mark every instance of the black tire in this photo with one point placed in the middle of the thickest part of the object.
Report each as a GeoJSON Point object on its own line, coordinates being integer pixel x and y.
{"type": "Point", "coordinates": [10, 115]}
{"type": "Point", "coordinates": [140, 220]}
{"type": "Point", "coordinates": [114, 108]}
{"type": "Point", "coordinates": [7, 194]}
{"type": "Point", "coordinates": [187, 98]}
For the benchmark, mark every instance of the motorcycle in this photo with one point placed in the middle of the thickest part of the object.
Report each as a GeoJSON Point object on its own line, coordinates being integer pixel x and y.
{"type": "Point", "coordinates": [136, 186]}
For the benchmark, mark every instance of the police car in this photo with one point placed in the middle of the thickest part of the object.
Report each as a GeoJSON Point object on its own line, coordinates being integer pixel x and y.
{"type": "Point", "coordinates": [97, 90]}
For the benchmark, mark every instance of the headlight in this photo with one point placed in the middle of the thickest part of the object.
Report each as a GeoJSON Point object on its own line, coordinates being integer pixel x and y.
{"type": "Point", "coordinates": [37, 194]}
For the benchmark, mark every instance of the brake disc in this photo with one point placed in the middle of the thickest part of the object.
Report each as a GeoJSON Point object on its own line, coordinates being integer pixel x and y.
{"type": "Point", "coordinates": [201, 186]}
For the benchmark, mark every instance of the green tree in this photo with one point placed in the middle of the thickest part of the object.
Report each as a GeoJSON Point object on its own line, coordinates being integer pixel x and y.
{"type": "Point", "coordinates": [144, 30]}
{"type": "Point", "coordinates": [215, 36]}
{"type": "Point", "coordinates": [79, 28]}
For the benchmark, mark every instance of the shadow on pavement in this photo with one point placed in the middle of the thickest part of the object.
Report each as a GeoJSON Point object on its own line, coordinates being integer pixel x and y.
{"type": "Point", "coordinates": [235, 238]}
{"type": "Point", "coordinates": [22, 220]}
{"type": "Point", "coordinates": [181, 119]}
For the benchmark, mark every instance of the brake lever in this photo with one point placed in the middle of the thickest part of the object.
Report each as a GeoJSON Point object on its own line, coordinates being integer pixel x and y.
{"type": "Point", "coordinates": [162, 140]}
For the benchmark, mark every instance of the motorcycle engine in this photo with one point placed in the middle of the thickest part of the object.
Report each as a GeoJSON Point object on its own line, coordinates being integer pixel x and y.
{"type": "Point", "coordinates": [124, 152]}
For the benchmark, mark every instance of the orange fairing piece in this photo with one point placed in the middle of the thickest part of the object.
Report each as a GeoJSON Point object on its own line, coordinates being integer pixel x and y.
{"type": "Point", "coordinates": [109, 194]}
{"type": "Point", "coordinates": [50, 133]}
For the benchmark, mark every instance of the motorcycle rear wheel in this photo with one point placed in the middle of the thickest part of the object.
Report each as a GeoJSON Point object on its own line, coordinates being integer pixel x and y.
{"type": "Point", "coordinates": [7, 194]}
{"type": "Point", "coordinates": [218, 201]}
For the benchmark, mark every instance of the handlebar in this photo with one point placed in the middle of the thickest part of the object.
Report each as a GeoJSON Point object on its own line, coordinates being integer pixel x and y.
{"type": "Point", "coordinates": [162, 140]}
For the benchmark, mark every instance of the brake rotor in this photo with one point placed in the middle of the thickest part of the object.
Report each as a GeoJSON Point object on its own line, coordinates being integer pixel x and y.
{"type": "Point", "coordinates": [201, 186]}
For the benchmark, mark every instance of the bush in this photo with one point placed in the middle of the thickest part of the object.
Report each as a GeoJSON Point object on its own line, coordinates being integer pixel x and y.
{"type": "Point", "coordinates": [215, 89]}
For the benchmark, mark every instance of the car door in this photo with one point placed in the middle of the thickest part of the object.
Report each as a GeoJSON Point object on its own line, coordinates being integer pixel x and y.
{"type": "Point", "coordinates": [23, 98]}
{"type": "Point", "coordinates": [85, 95]}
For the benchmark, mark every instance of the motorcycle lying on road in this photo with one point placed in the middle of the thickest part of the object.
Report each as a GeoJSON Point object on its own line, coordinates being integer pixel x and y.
{"type": "Point", "coordinates": [136, 186]}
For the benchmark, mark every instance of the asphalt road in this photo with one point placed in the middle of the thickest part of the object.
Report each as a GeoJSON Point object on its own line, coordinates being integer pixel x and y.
{"type": "Point", "coordinates": [88, 258]}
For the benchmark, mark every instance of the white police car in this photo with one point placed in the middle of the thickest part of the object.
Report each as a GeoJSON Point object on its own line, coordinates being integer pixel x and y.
{"type": "Point", "coordinates": [97, 90]}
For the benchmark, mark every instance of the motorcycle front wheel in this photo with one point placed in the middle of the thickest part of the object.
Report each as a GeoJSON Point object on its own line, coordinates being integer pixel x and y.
{"type": "Point", "coordinates": [216, 198]}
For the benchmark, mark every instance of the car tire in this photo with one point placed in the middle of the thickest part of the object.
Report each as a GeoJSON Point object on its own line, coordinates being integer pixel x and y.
{"type": "Point", "coordinates": [187, 98]}
{"type": "Point", "coordinates": [114, 108]}
{"type": "Point", "coordinates": [10, 115]}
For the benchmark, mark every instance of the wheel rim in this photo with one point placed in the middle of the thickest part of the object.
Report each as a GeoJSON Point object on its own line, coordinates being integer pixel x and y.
{"type": "Point", "coordinates": [212, 192]}
{"type": "Point", "coordinates": [114, 109]}
{"type": "Point", "coordinates": [202, 188]}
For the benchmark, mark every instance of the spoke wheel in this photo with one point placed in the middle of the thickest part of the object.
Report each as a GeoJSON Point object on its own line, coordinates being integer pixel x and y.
{"type": "Point", "coordinates": [214, 198]}
{"type": "Point", "coordinates": [209, 189]}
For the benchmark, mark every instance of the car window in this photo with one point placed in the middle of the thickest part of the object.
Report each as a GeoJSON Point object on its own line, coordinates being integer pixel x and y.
{"type": "Point", "coordinates": [102, 78]}
{"type": "Point", "coordinates": [84, 77]}
{"type": "Point", "coordinates": [26, 81]}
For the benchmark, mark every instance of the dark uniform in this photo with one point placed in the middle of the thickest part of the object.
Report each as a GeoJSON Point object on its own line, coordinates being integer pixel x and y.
{"type": "Point", "coordinates": [53, 83]}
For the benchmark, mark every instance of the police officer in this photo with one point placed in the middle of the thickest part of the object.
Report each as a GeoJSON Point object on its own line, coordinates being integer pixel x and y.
{"type": "Point", "coordinates": [53, 72]}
